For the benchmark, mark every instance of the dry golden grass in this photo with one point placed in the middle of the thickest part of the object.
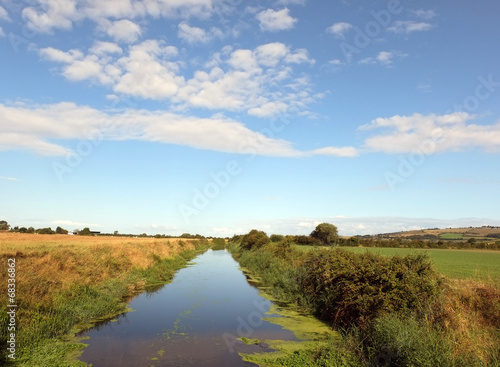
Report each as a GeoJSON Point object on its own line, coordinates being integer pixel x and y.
{"type": "Point", "coordinates": [469, 311]}
{"type": "Point", "coordinates": [49, 264]}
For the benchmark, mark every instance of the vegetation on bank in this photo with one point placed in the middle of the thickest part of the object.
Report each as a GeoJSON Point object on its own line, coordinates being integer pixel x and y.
{"type": "Point", "coordinates": [391, 311]}
{"type": "Point", "coordinates": [64, 284]}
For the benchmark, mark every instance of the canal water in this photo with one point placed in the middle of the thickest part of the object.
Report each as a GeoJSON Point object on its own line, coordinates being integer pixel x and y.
{"type": "Point", "coordinates": [194, 321]}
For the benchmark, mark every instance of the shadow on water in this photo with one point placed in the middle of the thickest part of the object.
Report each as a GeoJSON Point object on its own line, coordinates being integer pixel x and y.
{"type": "Point", "coordinates": [197, 320]}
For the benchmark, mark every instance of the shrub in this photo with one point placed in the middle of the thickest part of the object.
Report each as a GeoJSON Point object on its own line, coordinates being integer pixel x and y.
{"type": "Point", "coordinates": [254, 239]}
{"type": "Point", "coordinates": [307, 241]}
{"type": "Point", "coordinates": [276, 237]}
{"type": "Point", "coordinates": [348, 288]}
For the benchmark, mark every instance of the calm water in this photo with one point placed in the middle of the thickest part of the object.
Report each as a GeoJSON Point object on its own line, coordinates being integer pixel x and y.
{"type": "Point", "coordinates": [193, 321]}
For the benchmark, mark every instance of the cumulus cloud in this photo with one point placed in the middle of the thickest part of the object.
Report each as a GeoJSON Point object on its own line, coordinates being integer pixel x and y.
{"type": "Point", "coordinates": [276, 20]}
{"type": "Point", "coordinates": [260, 81]}
{"type": "Point", "coordinates": [430, 134]}
{"type": "Point", "coordinates": [339, 29]}
{"type": "Point", "coordinates": [385, 58]}
{"type": "Point", "coordinates": [194, 35]}
{"type": "Point", "coordinates": [123, 31]}
{"type": "Point", "coordinates": [46, 15]}
{"type": "Point", "coordinates": [34, 127]}
{"type": "Point", "coordinates": [409, 26]}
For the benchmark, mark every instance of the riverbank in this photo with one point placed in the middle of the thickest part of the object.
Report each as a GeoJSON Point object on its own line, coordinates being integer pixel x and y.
{"type": "Point", "coordinates": [65, 284]}
{"type": "Point", "coordinates": [387, 310]}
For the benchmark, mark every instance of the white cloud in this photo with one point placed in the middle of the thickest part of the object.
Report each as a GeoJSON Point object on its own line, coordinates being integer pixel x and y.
{"type": "Point", "coordinates": [69, 224]}
{"type": "Point", "coordinates": [9, 178]}
{"type": "Point", "coordinates": [339, 29]}
{"type": "Point", "coordinates": [123, 30]}
{"type": "Point", "coordinates": [385, 58]}
{"type": "Point", "coordinates": [259, 81]}
{"type": "Point", "coordinates": [276, 20]}
{"type": "Point", "coordinates": [409, 26]}
{"type": "Point", "coordinates": [54, 14]}
{"type": "Point", "coordinates": [102, 48]}
{"type": "Point", "coordinates": [424, 14]}
{"type": "Point", "coordinates": [430, 134]}
{"type": "Point", "coordinates": [192, 34]}
{"type": "Point", "coordinates": [4, 15]}
{"type": "Point", "coordinates": [2, 33]}
{"type": "Point", "coordinates": [32, 127]}
{"type": "Point", "coordinates": [46, 15]}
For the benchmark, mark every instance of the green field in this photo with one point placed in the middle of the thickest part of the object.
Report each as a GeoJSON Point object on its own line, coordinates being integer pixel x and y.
{"type": "Point", "coordinates": [451, 236]}
{"type": "Point", "coordinates": [478, 265]}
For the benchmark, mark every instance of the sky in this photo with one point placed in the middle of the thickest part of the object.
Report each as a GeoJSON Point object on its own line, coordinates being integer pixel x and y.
{"type": "Point", "coordinates": [220, 116]}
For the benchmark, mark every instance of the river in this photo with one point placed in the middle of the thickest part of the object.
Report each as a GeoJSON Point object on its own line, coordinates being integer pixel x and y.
{"type": "Point", "coordinates": [195, 320]}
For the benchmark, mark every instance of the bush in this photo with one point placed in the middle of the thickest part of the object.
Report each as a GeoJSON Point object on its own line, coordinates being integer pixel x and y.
{"type": "Point", "coordinates": [307, 241]}
{"type": "Point", "coordinates": [353, 289]}
{"type": "Point", "coordinates": [219, 244]}
{"type": "Point", "coordinates": [276, 237]}
{"type": "Point", "coordinates": [254, 239]}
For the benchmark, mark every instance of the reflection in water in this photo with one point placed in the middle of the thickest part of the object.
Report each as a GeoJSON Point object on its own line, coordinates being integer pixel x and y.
{"type": "Point", "coordinates": [193, 321]}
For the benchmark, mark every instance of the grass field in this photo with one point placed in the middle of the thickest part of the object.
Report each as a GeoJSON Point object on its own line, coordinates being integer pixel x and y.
{"type": "Point", "coordinates": [480, 265]}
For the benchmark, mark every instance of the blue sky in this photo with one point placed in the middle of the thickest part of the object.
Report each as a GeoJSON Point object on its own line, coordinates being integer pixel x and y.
{"type": "Point", "coordinates": [219, 116]}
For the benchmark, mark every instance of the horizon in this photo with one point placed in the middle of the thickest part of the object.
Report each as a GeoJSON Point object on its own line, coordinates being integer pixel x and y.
{"type": "Point", "coordinates": [216, 117]}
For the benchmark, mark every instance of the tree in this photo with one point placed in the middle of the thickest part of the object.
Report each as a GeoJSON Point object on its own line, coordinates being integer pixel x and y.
{"type": "Point", "coordinates": [4, 226]}
{"type": "Point", "coordinates": [85, 232]}
{"type": "Point", "coordinates": [254, 239]}
{"type": "Point", "coordinates": [326, 233]}
{"type": "Point", "coordinates": [47, 230]}
{"type": "Point", "coordinates": [60, 230]}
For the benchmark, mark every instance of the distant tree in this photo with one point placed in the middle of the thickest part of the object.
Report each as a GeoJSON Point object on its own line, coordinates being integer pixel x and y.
{"type": "Point", "coordinates": [4, 226]}
{"type": "Point", "coordinates": [326, 233]}
{"type": "Point", "coordinates": [47, 230]}
{"type": "Point", "coordinates": [30, 230]}
{"type": "Point", "coordinates": [85, 232]}
{"type": "Point", "coordinates": [115, 233]}
{"type": "Point", "coordinates": [254, 239]}
{"type": "Point", "coordinates": [60, 230]}
{"type": "Point", "coordinates": [23, 230]}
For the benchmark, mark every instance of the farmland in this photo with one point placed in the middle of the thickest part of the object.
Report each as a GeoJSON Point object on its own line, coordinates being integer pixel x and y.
{"type": "Point", "coordinates": [480, 265]}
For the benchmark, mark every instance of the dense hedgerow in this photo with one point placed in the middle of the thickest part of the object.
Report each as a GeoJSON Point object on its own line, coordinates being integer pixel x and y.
{"type": "Point", "coordinates": [348, 288]}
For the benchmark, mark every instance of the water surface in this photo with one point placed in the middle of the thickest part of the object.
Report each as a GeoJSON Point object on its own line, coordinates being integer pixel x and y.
{"type": "Point", "coordinates": [193, 321]}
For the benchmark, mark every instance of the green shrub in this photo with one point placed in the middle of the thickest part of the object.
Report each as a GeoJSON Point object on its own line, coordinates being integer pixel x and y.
{"type": "Point", "coordinates": [349, 288]}
{"type": "Point", "coordinates": [254, 239]}
{"type": "Point", "coordinates": [218, 244]}
{"type": "Point", "coordinates": [276, 237]}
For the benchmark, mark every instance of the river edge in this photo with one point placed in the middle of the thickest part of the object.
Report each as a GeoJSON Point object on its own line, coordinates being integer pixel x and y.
{"type": "Point", "coordinates": [312, 334]}
{"type": "Point", "coordinates": [64, 350]}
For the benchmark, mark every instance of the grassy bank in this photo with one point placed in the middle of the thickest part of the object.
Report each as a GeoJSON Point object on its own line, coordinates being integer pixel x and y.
{"type": "Point", "coordinates": [390, 311]}
{"type": "Point", "coordinates": [65, 283]}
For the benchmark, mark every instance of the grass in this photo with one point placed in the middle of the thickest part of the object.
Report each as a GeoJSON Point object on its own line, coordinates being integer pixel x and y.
{"type": "Point", "coordinates": [64, 283]}
{"type": "Point", "coordinates": [478, 265]}
{"type": "Point", "coordinates": [451, 236]}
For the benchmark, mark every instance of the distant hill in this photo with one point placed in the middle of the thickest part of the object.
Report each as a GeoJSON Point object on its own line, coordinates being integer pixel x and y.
{"type": "Point", "coordinates": [479, 233]}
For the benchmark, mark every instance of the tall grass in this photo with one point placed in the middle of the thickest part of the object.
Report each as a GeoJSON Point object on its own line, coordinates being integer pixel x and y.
{"type": "Point", "coordinates": [64, 283]}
